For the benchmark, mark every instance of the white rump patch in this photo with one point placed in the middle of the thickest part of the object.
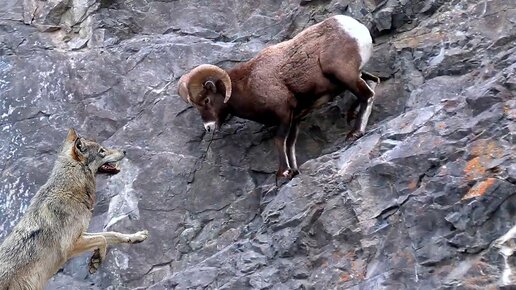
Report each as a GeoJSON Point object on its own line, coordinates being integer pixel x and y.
{"type": "Point", "coordinates": [360, 33]}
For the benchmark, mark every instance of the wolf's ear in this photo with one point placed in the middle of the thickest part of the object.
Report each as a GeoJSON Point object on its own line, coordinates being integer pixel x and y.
{"type": "Point", "coordinates": [71, 136]}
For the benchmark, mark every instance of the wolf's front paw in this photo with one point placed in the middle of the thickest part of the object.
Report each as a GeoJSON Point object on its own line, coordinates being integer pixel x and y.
{"type": "Point", "coordinates": [138, 237]}
{"type": "Point", "coordinates": [95, 261]}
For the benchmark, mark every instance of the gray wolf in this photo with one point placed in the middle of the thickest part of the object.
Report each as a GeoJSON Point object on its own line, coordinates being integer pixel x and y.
{"type": "Point", "coordinates": [53, 228]}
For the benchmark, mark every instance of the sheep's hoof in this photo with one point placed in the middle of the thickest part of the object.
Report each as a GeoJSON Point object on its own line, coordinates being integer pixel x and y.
{"type": "Point", "coordinates": [354, 135]}
{"type": "Point", "coordinates": [285, 176]}
{"type": "Point", "coordinates": [289, 173]}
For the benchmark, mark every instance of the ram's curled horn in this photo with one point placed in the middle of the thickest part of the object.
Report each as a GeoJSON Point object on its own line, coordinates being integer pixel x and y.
{"type": "Point", "coordinates": [199, 75]}
{"type": "Point", "coordinates": [182, 90]}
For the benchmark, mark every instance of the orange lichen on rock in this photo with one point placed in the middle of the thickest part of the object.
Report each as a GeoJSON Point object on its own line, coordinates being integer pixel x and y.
{"type": "Point", "coordinates": [412, 184]}
{"type": "Point", "coordinates": [440, 125]}
{"type": "Point", "coordinates": [488, 148]}
{"type": "Point", "coordinates": [483, 151]}
{"type": "Point", "coordinates": [344, 277]}
{"type": "Point", "coordinates": [480, 188]}
{"type": "Point", "coordinates": [419, 39]}
{"type": "Point", "coordinates": [509, 112]}
{"type": "Point", "coordinates": [506, 108]}
{"type": "Point", "coordinates": [358, 268]}
{"type": "Point", "coordinates": [474, 168]}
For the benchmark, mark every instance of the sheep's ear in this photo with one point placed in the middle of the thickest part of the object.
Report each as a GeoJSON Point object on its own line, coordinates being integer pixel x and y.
{"type": "Point", "coordinates": [210, 86]}
{"type": "Point", "coordinates": [221, 88]}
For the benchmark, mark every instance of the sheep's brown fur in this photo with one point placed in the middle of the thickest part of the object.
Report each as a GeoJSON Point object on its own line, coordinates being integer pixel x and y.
{"type": "Point", "coordinates": [284, 82]}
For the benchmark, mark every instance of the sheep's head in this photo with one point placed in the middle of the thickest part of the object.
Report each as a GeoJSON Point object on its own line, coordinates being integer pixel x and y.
{"type": "Point", "coordinates": [208, 88]}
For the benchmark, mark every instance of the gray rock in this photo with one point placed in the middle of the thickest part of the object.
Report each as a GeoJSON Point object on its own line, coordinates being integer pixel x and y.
{"type": "Point", "coordinates": [416, 203]}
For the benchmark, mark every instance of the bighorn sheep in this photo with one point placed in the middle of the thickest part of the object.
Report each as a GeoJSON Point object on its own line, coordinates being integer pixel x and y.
{"type": "Point", "coordinates": [284, 82]}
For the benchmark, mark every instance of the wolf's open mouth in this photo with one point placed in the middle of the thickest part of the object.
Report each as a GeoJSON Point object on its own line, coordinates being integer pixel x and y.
{"type": "Point", "coordinates": [110, 167]}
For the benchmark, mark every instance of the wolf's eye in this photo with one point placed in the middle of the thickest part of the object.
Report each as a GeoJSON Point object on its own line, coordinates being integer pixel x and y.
{"type": "Point", "coordinates": [102, 152]}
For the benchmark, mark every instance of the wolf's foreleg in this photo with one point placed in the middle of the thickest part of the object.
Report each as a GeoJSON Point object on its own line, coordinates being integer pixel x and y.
{"type": "Point", "coordinates": [119, 238]}
{"type": "Point", "coordinates": [99, 241]}
{"type": "Point", "coordinates": [112, 238]}
{"type": "Point", "coordinates": [89, 242]}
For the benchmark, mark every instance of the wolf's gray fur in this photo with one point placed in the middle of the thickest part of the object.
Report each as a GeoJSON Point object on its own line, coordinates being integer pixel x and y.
{"type": "Point", "coordinates": [53, 228]}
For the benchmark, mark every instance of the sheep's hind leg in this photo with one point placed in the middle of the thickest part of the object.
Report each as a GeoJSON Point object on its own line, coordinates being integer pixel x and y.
{"type": "Point", "coordinates": [365, 95]}
{"type": "Point", "coordinates": [352, 112]}
{"type": "Point", "coordinates": [341, 69]}
{"type": "Point", "coordinates": [370, 77]}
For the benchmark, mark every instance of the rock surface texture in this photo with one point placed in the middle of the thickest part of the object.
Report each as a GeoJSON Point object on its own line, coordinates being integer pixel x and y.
{"type": "Point", "coordinates": [416, 203]}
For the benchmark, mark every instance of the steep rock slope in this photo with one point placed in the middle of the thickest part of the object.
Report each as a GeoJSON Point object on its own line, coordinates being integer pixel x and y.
{"type": "Point", "coordinates": [418, 202]}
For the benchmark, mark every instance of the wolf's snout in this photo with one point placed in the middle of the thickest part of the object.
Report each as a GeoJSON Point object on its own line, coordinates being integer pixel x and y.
{"type": "Point", "coordinates": [124, 152]}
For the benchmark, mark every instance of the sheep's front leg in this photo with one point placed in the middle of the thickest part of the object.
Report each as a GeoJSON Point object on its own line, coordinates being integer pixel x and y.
{"type": "Point", "coordinates": [281, 146]}
{"type": "Point", "coordinates": [291, 148]}
{"type": "Point", "coordinates": [364, 118]}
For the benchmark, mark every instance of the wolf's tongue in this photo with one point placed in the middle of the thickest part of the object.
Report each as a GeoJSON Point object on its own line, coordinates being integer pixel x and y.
{"type": "Point", "coordinates": [109, 168]}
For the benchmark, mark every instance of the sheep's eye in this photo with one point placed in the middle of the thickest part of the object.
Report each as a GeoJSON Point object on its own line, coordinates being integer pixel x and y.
{"type": "Point", "coordinates": [206, 101]}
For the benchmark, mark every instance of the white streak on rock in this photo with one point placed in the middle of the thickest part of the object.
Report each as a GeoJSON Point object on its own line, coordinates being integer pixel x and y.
{"type": "Point", "coordinates": [125, 203]}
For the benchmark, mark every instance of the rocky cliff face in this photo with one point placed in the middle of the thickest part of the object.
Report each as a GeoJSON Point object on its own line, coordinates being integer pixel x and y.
{"type": "Point", "coordinates": [417, 202]}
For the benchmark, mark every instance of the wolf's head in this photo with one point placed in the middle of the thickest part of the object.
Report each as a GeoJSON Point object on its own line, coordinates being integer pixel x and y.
{"type": "Point", "coordinates": [91, 154]}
